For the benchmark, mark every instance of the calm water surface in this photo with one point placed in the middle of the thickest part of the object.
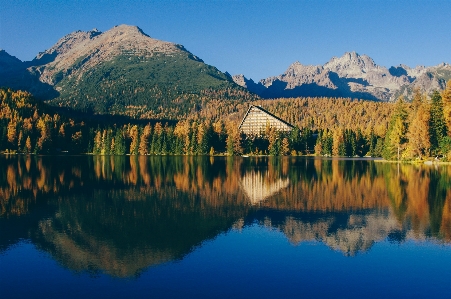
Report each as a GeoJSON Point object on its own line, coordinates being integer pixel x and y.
{"type": "Point", "coordinates": [201, 227]}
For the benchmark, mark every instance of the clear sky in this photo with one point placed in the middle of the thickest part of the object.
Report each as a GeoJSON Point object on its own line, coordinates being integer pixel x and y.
{"type": "Point", "coordinates": [255, 38]}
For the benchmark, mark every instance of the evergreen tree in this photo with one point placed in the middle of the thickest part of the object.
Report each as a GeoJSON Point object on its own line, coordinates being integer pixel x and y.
{"type": "Point", "coordinates": [437, 125]}
{"type": "Point", "coordinates": [446, 99]}
{"type": "Point", "coordinates": [319, 144]}
{"type": "Point", "coordinates": [372, 141]}
{"type": "Point", "coordinates": [327, 143]}
{"type": "Point", "coordinates": [119, 142]}
{"type": "Point", "coordinates": [362, 145]}
{"type": "Point", "coordinates": [307, 140]}
{"type": "Point", "coordinates": [295, 139]}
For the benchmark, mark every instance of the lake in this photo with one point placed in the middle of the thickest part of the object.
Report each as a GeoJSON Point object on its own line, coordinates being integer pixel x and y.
{"type": "Point", "coordinates": [217, 227]}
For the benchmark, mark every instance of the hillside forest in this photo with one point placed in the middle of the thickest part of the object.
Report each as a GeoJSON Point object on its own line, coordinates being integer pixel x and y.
{"type": "Point", "coordinates": [416, 128]}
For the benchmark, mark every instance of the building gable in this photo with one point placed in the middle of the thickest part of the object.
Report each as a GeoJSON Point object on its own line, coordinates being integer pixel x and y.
{"type": "Point", "coordinates": [256, 119]}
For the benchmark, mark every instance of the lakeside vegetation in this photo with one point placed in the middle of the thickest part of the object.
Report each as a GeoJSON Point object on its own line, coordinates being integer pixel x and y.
{"type": "Point", "coordinates": [323, 126]}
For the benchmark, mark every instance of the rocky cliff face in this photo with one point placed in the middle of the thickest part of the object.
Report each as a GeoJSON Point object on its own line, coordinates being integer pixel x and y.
{"type": "Point", "coordinates": [352, 75]}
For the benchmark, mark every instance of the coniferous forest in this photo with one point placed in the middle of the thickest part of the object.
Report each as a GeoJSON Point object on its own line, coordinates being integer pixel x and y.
{"type": "Point", "coordinates": [410, 129]}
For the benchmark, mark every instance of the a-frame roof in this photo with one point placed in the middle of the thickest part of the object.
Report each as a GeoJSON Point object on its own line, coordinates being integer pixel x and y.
{"type": "Point", "coordinates": [251, 107]}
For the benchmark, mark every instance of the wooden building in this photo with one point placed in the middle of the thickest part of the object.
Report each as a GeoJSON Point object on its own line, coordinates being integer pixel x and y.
{"type": "Point", "coordinates": [256, 120]}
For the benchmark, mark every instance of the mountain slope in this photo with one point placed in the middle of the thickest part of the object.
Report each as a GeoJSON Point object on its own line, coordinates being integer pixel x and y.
{"type": "Point", "coordinates": [13, 74]}
{"type": "Point", "coordinates": [124, 71]}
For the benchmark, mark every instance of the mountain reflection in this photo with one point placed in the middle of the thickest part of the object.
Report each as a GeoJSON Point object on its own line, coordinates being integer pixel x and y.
{"type": "Point", "coordinates": [120, 215]}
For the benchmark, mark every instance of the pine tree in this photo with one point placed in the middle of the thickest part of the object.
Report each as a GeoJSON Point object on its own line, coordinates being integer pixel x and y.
{"type": "Point", "coordinates": [446, 99]}
{"type": "Point", "coordinates": [296, 140]}
{"type": "Point", "coordinates": [437, 125]}
{"type": "Point", "coordinates": [119, 142]}
{"type": "Point", "coordinates": [159, 141]}
{"type": "Point", "coordinates": [362, 145]}
{"type": "Point", "coordinates": [319, 144]}
{"type": "Point", "coordinates": [274, 138]}
{"type": "Point", "coordinates": [327, 143]}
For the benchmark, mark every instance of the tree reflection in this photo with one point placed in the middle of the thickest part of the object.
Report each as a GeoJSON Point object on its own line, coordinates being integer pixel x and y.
{"type": "Point", "coordinates": [119, 215]}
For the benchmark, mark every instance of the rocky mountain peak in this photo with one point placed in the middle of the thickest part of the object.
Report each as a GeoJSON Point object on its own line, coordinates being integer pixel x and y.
{"type": "Point", "coordinates": [80, 50]}
{"type": "Point", "coordinates": [351, 63]}
{"type": "Point", "coordinates": [127, 30]}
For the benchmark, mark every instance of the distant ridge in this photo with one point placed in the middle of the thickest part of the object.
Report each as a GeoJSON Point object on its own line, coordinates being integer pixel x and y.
{"type": "Point", "coordinates": [351, 75]}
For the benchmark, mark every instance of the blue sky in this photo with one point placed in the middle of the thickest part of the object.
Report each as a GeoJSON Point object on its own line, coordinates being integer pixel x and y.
{"type": "Point", "coordinates": [255, 38]}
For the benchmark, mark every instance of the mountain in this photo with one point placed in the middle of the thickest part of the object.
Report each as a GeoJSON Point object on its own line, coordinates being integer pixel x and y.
{"type": "Point", "coordinates": [352, 75]}
{"type": "Point", "coordinates": [124, 71]}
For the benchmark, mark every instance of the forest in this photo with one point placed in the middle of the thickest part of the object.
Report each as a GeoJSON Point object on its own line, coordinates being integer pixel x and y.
{"type": "Point", "coordinates": [410, 129]}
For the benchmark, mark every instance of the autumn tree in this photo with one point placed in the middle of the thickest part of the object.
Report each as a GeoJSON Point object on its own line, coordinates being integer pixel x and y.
{"type": "Point", "coordinates": [338, 146]}
{"type": "Point", "coordinates": [395, 139]}
{"type": "Point", "coordinates": [97, 149]}
{"type": "Point", "coordinates": [418, 134]}
{"type": "Point", "coordinates": [134, 135]}
{"type": "Point", "coordinates": [233, 140]}
{"type": "Point", "coordinates": [44, 141]}
{"type": "Point", "coordinates": [285, 147]}
{"type": "Point", "coordinates": [28, 145]}
{"type": "Point", "coordinates": [143, 148]}
{"type": "Point", "coordinates": [12, 132]}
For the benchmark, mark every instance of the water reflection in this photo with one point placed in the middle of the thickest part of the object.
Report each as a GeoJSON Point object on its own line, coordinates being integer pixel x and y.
{"type": "Point", "coordinates": [120, 215]}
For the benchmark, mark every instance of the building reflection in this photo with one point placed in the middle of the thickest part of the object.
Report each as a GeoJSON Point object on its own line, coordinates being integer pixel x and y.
{"type": "Point", "coordinates": [257, 188]}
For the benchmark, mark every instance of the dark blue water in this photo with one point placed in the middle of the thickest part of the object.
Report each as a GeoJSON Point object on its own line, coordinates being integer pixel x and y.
{"type": "Point", "coordinates": [178, 227]}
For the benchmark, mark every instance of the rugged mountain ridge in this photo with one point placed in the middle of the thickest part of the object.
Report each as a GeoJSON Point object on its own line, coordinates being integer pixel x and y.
{"type": "Point", "coordinates": [125, 71]}
{"type": "Point", "coordinates": [351, 75]}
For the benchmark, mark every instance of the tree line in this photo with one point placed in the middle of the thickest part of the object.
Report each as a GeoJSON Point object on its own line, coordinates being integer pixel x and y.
{"type": "Point", "coordinates": [418, 129]}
